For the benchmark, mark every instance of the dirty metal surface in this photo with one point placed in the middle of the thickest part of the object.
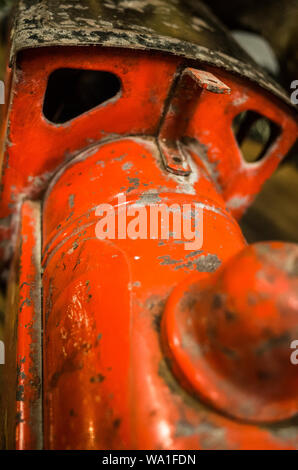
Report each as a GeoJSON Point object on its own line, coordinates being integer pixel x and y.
{"type": "Point", "coordinates": [230, 335]}
{"type": "Point", "coordinates": [136, 110]}
{"type": "Point", "coordinates": [209, 134]}
{"type": "Point", "coordinates": [22, 418]}
{"type": "Point", "coordinates": [101, 344]}
{"type": "Point", "coordinates": [106, 371]}
{"type": "Point", "coordinates": [186, 29]}
{"type": "Point", "coordinates": [176, 120]}
{"type": "Point", "coordinates": [142, 107]}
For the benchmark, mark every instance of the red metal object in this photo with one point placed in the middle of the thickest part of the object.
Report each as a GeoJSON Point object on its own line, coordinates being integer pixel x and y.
{"type": "Point", "coordinates": [102, 353]}
{"type": "Point", "coordinates": [230, 333]}
{"type": "Point", "coordinates": [175, 123]}
{"type": "Point", "coordinates": [23, 399]}
{"type": "Point", "coordinates": [137, 111]}
{"type": "Point", "coordinates": [106, 369]}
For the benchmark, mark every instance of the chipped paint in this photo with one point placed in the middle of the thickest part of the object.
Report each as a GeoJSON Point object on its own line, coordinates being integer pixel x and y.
{"type": "Point", "coordinates": [161, 26]}
{"type": "Point", "coordinates": [201, 263]}
{"type": "Point", "coordinates": [238, 201]}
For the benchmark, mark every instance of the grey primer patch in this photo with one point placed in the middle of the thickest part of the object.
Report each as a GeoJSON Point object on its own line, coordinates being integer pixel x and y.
{"type": "Point", "coordinates": [120, 158]}
{"type": "Point", "coordinates": [148, 198]}
{"type": "Point", "coordinates": [71, 200]}
{"type": "Point", "coordinates": [203, 264]}
{"type": "Point", "coordinates": [237, 202]}
{"type": "Point", "coordinates": [166, 260]}
{"type": "Point", "coordinates": [212, 437]}
{"type": "Point", "coordinates": [193, 253]}
{"type": "Point", "coordinates": [135, 182]}
{"type": "Point", "coordinates": [127, 166]}
{"type": "Point", "coordinates": [201, 150]}
{"type": "Point", "coordinates": [208, 263]}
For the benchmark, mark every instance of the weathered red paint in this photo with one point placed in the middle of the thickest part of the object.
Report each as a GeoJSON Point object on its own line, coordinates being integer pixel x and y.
{"type": "Point", "coordinates": [24, 395]}
{"type": "Point", "coordinates": [175, 122]}
{"type": "Point", "coordinates": [230, 334]}
{"type": "Point", "coordinates": [101, 351]}
{"type": "Point", "coordinates": [106, 368]}
{"type": "Point", "coordinates": [28, 166]}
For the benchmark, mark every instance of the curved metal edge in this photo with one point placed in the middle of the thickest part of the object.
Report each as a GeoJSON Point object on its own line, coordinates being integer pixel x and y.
{"type": "Point", "coordinates": [186, 29]}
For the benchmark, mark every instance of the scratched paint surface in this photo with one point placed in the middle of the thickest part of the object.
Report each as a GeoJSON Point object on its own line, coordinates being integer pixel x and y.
{"type": "Point", "coordinates": [23, 370]}
{"type": "Point", "coordinates": [105, 369]}
{"type": "Point", "coordinates": [138, 110]}
{"type": "Point", "coordinates": [106, 366]}
{"type": "Point", "coordinates": [182, 28]}
{"type": "Point", "coordinates": [231, 334]}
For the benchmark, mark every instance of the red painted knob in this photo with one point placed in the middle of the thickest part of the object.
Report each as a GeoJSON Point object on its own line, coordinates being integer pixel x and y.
{"type": "Point", "coordinates": [230, 335]}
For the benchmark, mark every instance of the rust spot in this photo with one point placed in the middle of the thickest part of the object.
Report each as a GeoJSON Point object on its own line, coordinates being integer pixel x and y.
{"type": "Point", "coordinates": [97, 378]}
{"type": "Point", "coordinates": [68, 366]}
{"type": "Point", "coordinates": [20, 393]}
{"type": "Point", "coordinates": [116, 423]}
